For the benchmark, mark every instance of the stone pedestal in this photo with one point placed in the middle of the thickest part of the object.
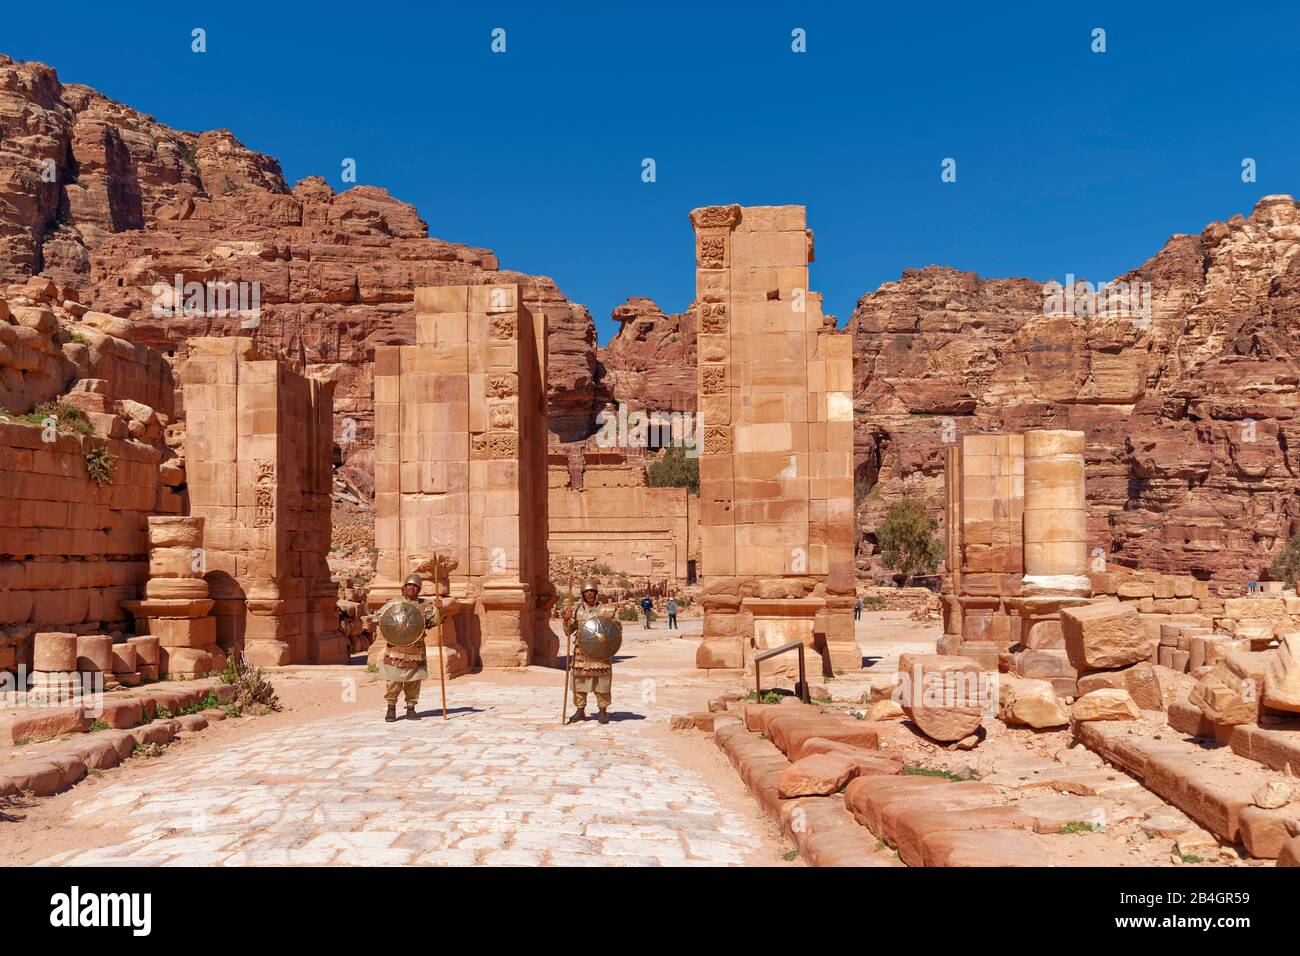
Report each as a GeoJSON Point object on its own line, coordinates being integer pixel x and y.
{"type": "Point", "coordinates": [506, 607]}
{"type": "Point", "coordinates": [176, 610]}
{"type": "Point", "coordinates": [778, 621]}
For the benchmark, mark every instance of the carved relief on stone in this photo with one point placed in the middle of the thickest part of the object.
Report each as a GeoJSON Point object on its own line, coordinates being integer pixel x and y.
{"type": "Point", "coordinates": [715, 216]}
{"type": "Point", "coordinates": [502, 325]}
{"type": "Point", "coordinates": [713, 317]}
{"type": "Point", "coordinates": [501, 415]}
{"type": "Point", "coordinates": [494, 446]}
{"type": "Point", "coordinates": [501, 385]}
{"type": "Point", "coordinates": [712, 253]}
{"type": "Point", "coordinates": [717, 440]}
{"type": "Point", "coordinates": [713, 379]}
{"type": "Point", "coordinates": [264, 495]}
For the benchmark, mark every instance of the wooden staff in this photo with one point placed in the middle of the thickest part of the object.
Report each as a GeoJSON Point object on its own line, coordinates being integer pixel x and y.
{"type": "Point", "coordinates": [442, 670]}
{"type": "Point", "coordinates": [568, 655]}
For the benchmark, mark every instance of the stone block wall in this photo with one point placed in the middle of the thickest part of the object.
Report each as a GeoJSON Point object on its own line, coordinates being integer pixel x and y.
{"type": "Point", "coordinates": [460, 470]}
{"type": "Point", "coordinates": [71, 551]}
{"type": "Point", "coordinates": [776, 480]}
{"type": "Point", "coordinates": [258, 466]}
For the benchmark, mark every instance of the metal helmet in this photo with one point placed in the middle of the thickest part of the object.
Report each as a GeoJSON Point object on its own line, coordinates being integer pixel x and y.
{"type": "Point", "coordinates": [600, 638]}
{"type": "Point", "coordinates": [413, 579]}
{"type": "Point", "coordinates": [591, 584]}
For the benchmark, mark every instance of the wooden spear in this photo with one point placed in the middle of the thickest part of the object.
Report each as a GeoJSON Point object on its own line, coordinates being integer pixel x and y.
{"type": "Point", "coordinates": [437, 593]}
{"type": "Point", "coordinates": [568, 653]}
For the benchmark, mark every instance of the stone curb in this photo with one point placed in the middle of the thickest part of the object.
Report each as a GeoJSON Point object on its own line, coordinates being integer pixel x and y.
{"type": "Point", "coordinates": [53, 773]}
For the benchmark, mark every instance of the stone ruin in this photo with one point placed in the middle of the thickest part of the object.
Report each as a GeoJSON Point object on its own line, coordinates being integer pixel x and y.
{"type": "Point", "coordinates": [459, 471]}
{"type": "Point", "coordinates": [135, 544]}
{"type": "Point", "coordinates": [603, 511]}
{"type": "Point", "coordinates": [258, 468]}
{"type": "Point", "coordinates": [776, 468]}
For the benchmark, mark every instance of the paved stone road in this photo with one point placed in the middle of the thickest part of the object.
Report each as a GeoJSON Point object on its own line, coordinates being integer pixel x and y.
{"type": "Point", "coordinates": [501, 784]}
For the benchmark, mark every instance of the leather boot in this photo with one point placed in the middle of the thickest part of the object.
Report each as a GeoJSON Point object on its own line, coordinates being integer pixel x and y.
{"type": "Point", "coordinates": [578, 715]}
{"type": "Point", "coordinates": [603, 716]}
{"type": "Point", "coordinates": [410, 712]}
{"type": "Point", "coordinates": [391, 713]}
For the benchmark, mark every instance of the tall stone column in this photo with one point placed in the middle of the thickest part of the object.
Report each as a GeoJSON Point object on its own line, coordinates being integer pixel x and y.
{"type": "Point", "coordinates": [776, 479]}
{"type": "Point", "coordinates": [460, 436]}
{"type": "Point", "coordinates": [258, 443]}
{"type": "Point", "coordinates": [1055, 535]}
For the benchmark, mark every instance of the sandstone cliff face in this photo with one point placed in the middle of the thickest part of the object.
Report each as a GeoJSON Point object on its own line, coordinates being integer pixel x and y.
{"type": "Point", "coordinates": [1190, 408]}
{"type": "Point", "coordinates": [650, 362]}
{"type": "Point", "coordinates": [104, 199]}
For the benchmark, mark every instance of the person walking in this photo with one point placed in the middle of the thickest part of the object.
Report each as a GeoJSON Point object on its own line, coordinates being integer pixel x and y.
{"type": "Point", "coordinates": [672, 614]}
{"type": "Point", "coordinates": [857, 609]}
{"type": "Point", "coordinates": [647, 606]}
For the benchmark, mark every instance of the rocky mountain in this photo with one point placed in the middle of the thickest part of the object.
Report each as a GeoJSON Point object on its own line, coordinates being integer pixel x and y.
{"type": "Point", "coordinates": [1187, 390]}
{"type": "Point", "coordinates": [108, 201]}
{"type": "Point", "coordinates": [650, 362]}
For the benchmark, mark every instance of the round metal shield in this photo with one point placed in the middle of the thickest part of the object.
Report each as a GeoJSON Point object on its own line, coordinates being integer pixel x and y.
{"type": "Point", "coordinates": [600, 638]}
{"type": "Point", "coordinates": [402, 623]}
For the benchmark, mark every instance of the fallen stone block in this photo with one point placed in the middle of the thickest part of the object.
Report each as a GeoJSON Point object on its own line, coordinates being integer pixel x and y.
{"type": "Point", "coordinates": [1226, 697]}
{"type": "Point", "coordinates": [815, 775]}
{"type": "Point", "coordinates": [1105, 635]}
{"type": "Point", "coordinates": [1031, 703]}
{"type": "Point", "coordinates": [196, 722]}
{"type": "Point", "coordinates": [1105, 704]}
{"type": "Point", "coordinates": [1139, 680]}
{"type": "Point", "coordinates": [1289, 854]}
{"type": "Point", "coordinates": [1264, 831]}
{"type": "Point", "coordinates": [945, 697]}
{"type": "Point", "coordinates": [1282, 679]}
{"type": "Point", "coordinates": [159, 732]}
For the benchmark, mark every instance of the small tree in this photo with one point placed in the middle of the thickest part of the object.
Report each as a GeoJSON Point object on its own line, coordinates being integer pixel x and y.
{"type": "Point", "coordinates": [907, 540]}
{"type": "Point", "coordinates": [1286, 566]}
{"type": "Point", "coordinates": [674, 470]}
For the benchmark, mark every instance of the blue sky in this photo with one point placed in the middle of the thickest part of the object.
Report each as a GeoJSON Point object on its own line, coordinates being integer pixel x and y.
{"type": "Point", "coordinates": [1068, 161]}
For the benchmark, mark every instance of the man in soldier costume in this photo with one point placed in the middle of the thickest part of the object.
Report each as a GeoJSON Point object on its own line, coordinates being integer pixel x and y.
{"type": "Point", "coordinates": [589, 675]}
{"type": "Point", "coordinates": [405, 666]}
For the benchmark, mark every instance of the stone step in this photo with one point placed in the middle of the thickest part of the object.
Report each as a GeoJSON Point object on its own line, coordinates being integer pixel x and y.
{"type": "Point", "coordinates": [1208, 781]}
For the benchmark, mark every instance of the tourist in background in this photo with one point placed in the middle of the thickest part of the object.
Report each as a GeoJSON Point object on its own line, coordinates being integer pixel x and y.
{"type": "Point", "coordinates": [672, 614]}
{"type": "Point", "coordinates": [857, 609]}
{"type": "Point", "coordinates": [647, 606]}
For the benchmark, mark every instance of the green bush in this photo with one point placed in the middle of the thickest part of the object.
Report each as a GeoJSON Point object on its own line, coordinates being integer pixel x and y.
{"type": "Point", "coordinates": [907, 540]}
{"type": "Point", "coordinates": [100, 466]}
{"type": "Point", "coordinates": [1286, 566]}
{"type": "Point", "coordinates": [673, 469]}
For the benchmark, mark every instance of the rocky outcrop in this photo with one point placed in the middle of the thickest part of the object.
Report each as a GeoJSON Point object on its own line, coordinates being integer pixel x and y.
{"type": "Point", "coordinates": [108, 201]}
{"type": "Point", "coordinates": [1189, 406]}
{"type": "Point", "coordinates": [650, 362]}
